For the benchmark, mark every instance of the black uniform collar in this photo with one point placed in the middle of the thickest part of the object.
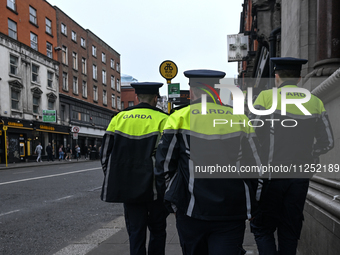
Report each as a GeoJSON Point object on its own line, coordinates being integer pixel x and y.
{"type": "Point", "coordinates": [143, 105]}
{"type": "Point", "coordinates": [285, 83]}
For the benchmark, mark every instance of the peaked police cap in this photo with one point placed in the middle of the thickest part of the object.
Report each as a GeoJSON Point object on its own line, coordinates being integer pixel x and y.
{"type": "Point", "coordinates": [209, 77]}
{"type": "Point", "coordinates": [288, 63]}
{"type": "Point", "coordinates": [147, 87]}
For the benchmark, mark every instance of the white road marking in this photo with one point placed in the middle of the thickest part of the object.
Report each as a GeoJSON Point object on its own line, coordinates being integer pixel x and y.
{"type": "Point", "coordinates": [63, 198]}
{"type": "Point", "coordinates": [49, 176]}
{"type": "Point", "coordinates": [3, 214]}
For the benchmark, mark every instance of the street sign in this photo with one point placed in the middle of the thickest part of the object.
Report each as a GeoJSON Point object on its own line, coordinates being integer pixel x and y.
{"type": "Point", "coordinates": [173, 90]}
{"type": "Point", "coordinates": [49, 116]}
{"type": "Point", "coordinates": [238, 47]}
{"type": "Point", "coordinates": [75, 136]}
{"type": "Point", "coordinates": [168, 70]}
{"type": "Point", "coordinates": [75, 129]}
{"type": "Point", "coordinates": [4, 128]}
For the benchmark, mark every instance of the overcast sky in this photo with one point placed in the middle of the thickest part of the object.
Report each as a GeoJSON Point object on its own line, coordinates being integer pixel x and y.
{"type": "Point", "coordinates": [191, 33]}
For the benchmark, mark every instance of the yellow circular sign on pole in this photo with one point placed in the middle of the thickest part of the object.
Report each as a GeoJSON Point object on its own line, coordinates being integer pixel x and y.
{"type": "Point", "coordinates": [4, 128]}
{"type": "Point", "coordinates": [168, 70]}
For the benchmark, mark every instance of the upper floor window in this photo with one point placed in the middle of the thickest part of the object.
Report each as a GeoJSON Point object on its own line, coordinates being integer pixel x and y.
{"type": "Point", "coordinates": [12, 29]}
{"type": "Point", "coordinates": [36, 104]}
{"type": "Point", "coordinates": [83, 65]}
{"type": "Point", "coordinates": [118, 85]}
{"type": "Point", "coordinates": [82, 42]}
{"type": "Point", "coordinates": [49, 51]}
{"type": "Point", "coordinates": [74, 61]}
{"type": "Point", "coordinates": [65, 81]}
{"type": "Point", "coordinates": [94, 51]}
{"type": "Point", "coordinates": [103, 57]}
{"type": "Point", "coordinates": [74, 36]}
{"type": "Point", "coordinates": [95, 93]}
{"type": "Point", "coordinates": [84, 89]}
{"type": "Point", "coordinates": [104, 97]}
{"type": "Point", "coordinates": [35, 73]}
{"type": "Point", "coordinates": [119, 105]}
{"type": "Point", "coordinates": [118, 67]}
{"type": "Point", "coordinates": [75, 85]}
{"type": "Point", "coordinates": [64, 55]}
{"type": "Point", "coordinates": [34, 41]}
{"type": "Point", "coordinates": [49, 79]}
{"type": "Point", "coordinates": [113, 101]}
{"type": "Point", "coordinates": [63, 29]}
{"type": "Point", "coordinates": [131, 103]}
{"type": "Point", "coordinates": [15, 96]}
{"type": "Point", "coordinates": [94, 74]}
{"type": "Point", "coordinates": [112, 63]}
{"type": "Point", "coordinates": [14, 65]}
{"type": "Point", "coordinates": [104, 76]}
{"type": "Point", "coordinates": [50, 105]}
{"type": "Point", "coordinates": [48, 26]}
{"type": "Point", "coordinates": [112, 82]}
{"type": "Point", "coordinates": [11, 4]}
{"type": "Point", "coordinates": [33, 15]}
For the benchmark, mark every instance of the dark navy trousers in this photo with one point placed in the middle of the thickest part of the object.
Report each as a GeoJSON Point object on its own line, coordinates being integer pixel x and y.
{"type": "Point", "coordinates": [281, 210]}
{"type": "Point", "coordinates": [139, 217]}
{"type": "Point", "coordinates": [202, 237]}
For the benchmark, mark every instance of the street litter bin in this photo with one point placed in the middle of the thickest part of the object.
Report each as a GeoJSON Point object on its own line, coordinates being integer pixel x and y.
{"type": "Point", "coordinates": [93, 155]}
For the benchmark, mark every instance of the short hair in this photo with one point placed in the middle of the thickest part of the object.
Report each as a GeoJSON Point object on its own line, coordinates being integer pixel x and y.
{"type": "Point", "coordinates": [146, 98]}
{"type": "Point", "coordinates": [289, 74]}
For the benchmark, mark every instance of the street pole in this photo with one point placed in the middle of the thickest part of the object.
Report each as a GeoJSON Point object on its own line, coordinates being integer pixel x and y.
{"type": "Point", "coordinates": [5, 133]}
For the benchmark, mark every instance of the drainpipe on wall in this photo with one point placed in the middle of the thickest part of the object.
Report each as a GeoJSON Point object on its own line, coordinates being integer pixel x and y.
{"type": "Point", "coordinates": [272, 54]}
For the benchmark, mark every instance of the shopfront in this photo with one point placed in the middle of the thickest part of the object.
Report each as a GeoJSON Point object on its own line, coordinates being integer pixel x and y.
{"type": "Point", "coordinates": [21, 137]}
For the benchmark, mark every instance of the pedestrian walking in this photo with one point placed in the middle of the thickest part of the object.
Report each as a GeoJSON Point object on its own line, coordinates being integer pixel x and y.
{"type": "Point", "coordinates": [61, 152]}
{"type": "Point", "coordinates": [77, 152]}
{"type": "Point", "coordinates": [49, 151]}
{"type": "Point", "coordinates": [127, 158]}
{"type": "Point", "coordinates": [86, 153]}
{"type": "Point", "coordinates": [210, 209]}
{"type": "Point", "coordinates": [282, 199]}
{"type": "Point", "coordinates": [68, 153]}
{"type": "Point", "coordinates": [38, 150]}
{"type": "Point", "coordinates": [89, 149]}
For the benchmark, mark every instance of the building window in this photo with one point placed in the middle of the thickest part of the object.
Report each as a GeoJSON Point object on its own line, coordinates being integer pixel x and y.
{"type": "Point", "coordinates": [63, 29]}
{"type": "Point", "coordinates": [82, 42]}
{"type": "Point", "coordinates": [34, 41]}
{"type": "Point", "coordinates": [113, 101]}
{"type": "Point", "coordinates": [119, 107]}
{"type": "Point", "coordinates": [36, 105]}
{"type": "Point", "coordinates": [104, 97]}
{"type": "Point", "coordinates": [12, 29]}
{"type": "Point", "coordinates": [83, 65]}
{"type": "Point", "coordinates": [95, 93]}
{"type": "Point", "coordinates": [14, 65]}
{"type": "Point", "coordinates": [48, 26]}
{"type": "Point", "coordinates": [74, 61]}
{"type": "Point", "coordinates": [84, 89]}
{"type": "Point", "coordinates": [112, 64]}
{"type": "Point", "coordinates": [62, 113]}
{"type": "Point", "coordinates": [94, 51]}
{"type": "Point", "coordinates": [35, 73]}
{"type": "Point", "coordinates": [74, 36]}
{"type": "Point", "coordinates": [112, 82]}
{"type": "Point", "coordinates": [49, 50]}
{"type": "Point", "coordinates": [64, 55]}
{"type": "Point", "coordinates": [118, 85]}
{"type": "Point", "coordinates": [33, 15]}
{"type": "Point", "coordinates": [49, 79]}
{"type": "Point", "coordinates": [11, 4]}
{"type": "Point", "coordinates": [104, 77]}
{"type": "Point", "coordinates": [103, 57]}
{"type": "Point", "coordinates": [94, 73]}
{"type": "Point", "coordinates": [75, 85]}
{"type": "Point", "coordinates": [122, 105]}
{"type": "Point", "coordinates": [131, 103]}
{"type": "Point", "coordinates": [50, 105]}
{"type": "Point", "coordinates": [117, 68]}
{"type": "Point", "coordinates": [65, 82]}
{"type": "Point", "coordinates": [15, 99]}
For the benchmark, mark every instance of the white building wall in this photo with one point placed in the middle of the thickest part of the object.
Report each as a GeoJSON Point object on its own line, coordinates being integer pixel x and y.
{"type": "Point", "coordinates": [26, 57]}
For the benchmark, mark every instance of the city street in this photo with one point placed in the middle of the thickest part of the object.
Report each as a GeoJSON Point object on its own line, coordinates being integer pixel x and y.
{"type": "Point", "coordinates": [43, 208]}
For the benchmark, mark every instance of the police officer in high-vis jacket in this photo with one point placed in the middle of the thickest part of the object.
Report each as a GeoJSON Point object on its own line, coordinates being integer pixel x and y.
{"type": "Point", "coordinates": [127, 157]}
{"type": "Point", "coordinates": [197, 167]}
{"type": "Point", "coordinates": [294, 140]}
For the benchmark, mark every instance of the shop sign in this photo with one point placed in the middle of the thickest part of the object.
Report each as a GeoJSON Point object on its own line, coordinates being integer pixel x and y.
{"type": "Point", "coordinates": [15, 124]}
{"type": "Point", "coordinates": [49, 116]}
{"type": "Point", "coordinates": [47, 127]}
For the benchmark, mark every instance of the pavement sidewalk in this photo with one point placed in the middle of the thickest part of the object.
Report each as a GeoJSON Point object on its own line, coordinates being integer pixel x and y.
{"type": "Point", "coordinates": [118, 244]}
